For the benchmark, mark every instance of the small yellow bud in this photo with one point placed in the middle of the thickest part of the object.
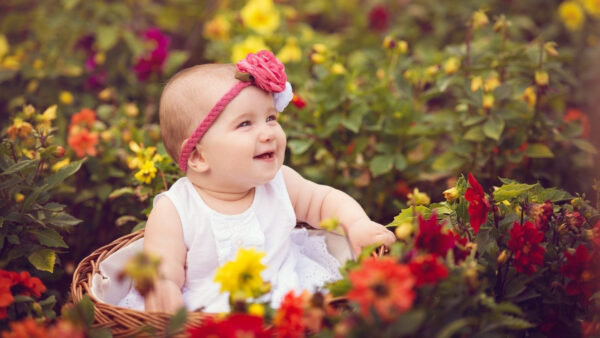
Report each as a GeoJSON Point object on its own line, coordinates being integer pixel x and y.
{"type": "Point", "coordinates": [471, 278]}
{"type": "Point", "coordinates": [65, 97]}
{"type": "Point", "coordinates": [404, 230]}
{"type": "Point", "coordinates": [317, 58]}
{"type": "Point", "coordinates": [106, 136]}
{"type": "Point", "coordinates": [100, 58]}
{"type": "Point", "coordinates": [329, 224]}
{"type": "Point", "coordinates": [256, 310]}
{"type": "Point", "coordinates": [530, 96]}
{"type": "Point", "coordinates": [380, 74]}
{"type": "Point", "coordinates": [550, 48]}
{"type": "Point", "coordinates": [126, 136]}
{"type": "Point", "coordinates": [131, 109]}
{"type": "Point", "coordinates": [476, 83]}
{"type": "Point", "coordinates": [389, 42]}
{"type": "Point", "coordinates": [319, 48]}
{"type": "Point", "coordinates": [491, 83]}
{"type": "Point", "coordinates": [563, 229]}
{"type": "Point", "coordinates": [29, 110]}
{"type": "Point", "coordinates": [432, 70]}
{"type": "Point", "coordinates": [105, 94]}
{"type": "Point", "coordinates": [32, 86]}
{"type": "Point", "coordinates": [577, 202]}
{"type": "Point", "coordinates": [488, 101]}
{"type": "Point", "coordinates": [541, 78]}
{"type": "Point", "coordinates": [479, 19]}
{"type": "Point", "coordinates": [451, 65]}
{"type": "Point", "coordinates": [451, 194]}
{"type": "Point", "coordinates": [19, 197]}
{"type": "Point", "coordinates": [337, 68]}
{"type": "Point", "coordinates": [501, 24]}
{"type": "Point", "coordinates": [502, 257]}
{"type": "Point", "coordinates": [402, 46]}
{"type": "Point", "coordinates": [418, 198]}
{"type": "Point", "coordinates": [38, 64]}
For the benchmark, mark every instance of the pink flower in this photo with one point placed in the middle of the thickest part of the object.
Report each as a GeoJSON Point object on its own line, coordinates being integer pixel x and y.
{"type": "Point", "coordinates": [153, 62]}
{"type": "Point", "coordinates": [266, 70]}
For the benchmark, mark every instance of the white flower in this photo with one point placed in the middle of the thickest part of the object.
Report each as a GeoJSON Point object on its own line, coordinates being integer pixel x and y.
{"type": "Point", "coordinates": [282, 99]}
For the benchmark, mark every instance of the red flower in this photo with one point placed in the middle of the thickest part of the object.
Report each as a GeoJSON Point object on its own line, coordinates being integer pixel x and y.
{"type": "Point", "coordinates": [590, 329]}
{"type": "Point", "coordinates": [460, 250]}
{"type": "Point", "coordinates": [427, 269]}
{"type": "Point", "coordinates": [478, 204]}
{"type": "Point", "coordinates": [31, 285]}
{"type": "Point", "coordinates": [289, 318]}
{"type": "Point", "coordinates": [541, 214]}
{"type": "Point", "coordinates": [234, 326]}
{"type": "Point", "coordinates": [85, 117]}
{"type": "Point", "coordinates": [382, 285]}
{"type": "Point", "coordinates": [574, 219]}
{"type": "Point", "coordinates": [379, 18]}
{"type": "Point", "coordinates": [153, 62]}
{"type": "Point", "coordinates": [13, 283]}
{"type": "Point", "coordinates": [268, 72]}
{"type": "Point", "coordinates": [298, 102]}
{"type": "Point", "coordinates": [28, 327]}
{"type": "Point", "coordinates": [573, 115]}
{"type": "Point", "coordinates": [524, 242]}
{"type": "Point", "coordinates": [580, 270]}
{"type": "Point", "coordinates": [431, 238]}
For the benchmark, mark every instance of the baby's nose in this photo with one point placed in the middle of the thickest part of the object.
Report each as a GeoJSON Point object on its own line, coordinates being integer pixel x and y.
{"type": "Point", "coordinates": [266, 135]}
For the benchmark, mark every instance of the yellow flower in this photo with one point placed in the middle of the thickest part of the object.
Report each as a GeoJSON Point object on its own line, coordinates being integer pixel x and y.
{"type": "Point", "coordinates": [530, 96]}
{"type": "Point", "coordinates": [479, 19]}
{"type": "Point", "coordinates": [261, 16]}
{"type": "Point", "coordinates": [317, 58]}
{"type": "Point", "coordinates": [451, 194]}
{"type": "Point", "coordinates": [389, 42]}
{"type": "Point", "coordinates": [338, 68]}
{"type": "Point", "coordinates": [404, 230]}
{"type": "Point", "coordinates": [418, 198]}
{"type": "Point", "coordinates": [61, 164]}
{"type": "Point", "coordinates": [217, 28]}
{"type": "Point", "coordinates": [241, 277]}
{"type": "Point", "coordinates": [4, 46]}
{"type": "Point", "coordinates": [290, 51]}
{"type": "Point", "coordinates": [19, 197]}
{"type": "Point", "coordinates": [252, 44]}
{"type": "Point", "coordinates": [146, 173]}
{"type": "Point", "coordinates": [256, 310]}
{"type": "Point", "coordinates": [143, 155]}
{"type": "Point", "coordinates": [451, 65]}
{"type": "Point", "coordinates": [329, 224]}
{"type": "Point", "coordinates": [19, 128]}
{"type": "Point", "coordinates": [550, 48]}
{"type": "Point", "coordinates": [488, 101]}
{"type": "Point", "coordinates": [319, 48]}
{"type": "Point", "coordinates": [100, 58]}
{"type": "Point", "coordinates": [45, 119]}
{"type": "Point", "coordinates": [431, 70]}
{"type": "Point", "coordinates": [476, 83]}
{"type": "Point", "coordinates": [592, 7]}
{"type": "Point", "coordinates": [131, 109]}
{"type": "Point", "coordinates": [501, 24]}
{"type": "Point", "coordinates": [65, 97]}
{"type": "Point", "coordinates": [491, 83]}
{"type": "Point", "coordinates": [402, 46]}
{"type": "Point", "coordinates": [571, 14]}
{"type": "Point", "coordinates": [11, 62]}
{"type": "Point", "coordinates": [541, 78]}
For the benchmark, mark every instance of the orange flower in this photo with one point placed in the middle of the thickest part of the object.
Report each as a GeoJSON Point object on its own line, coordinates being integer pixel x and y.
{"type": "Point", "coordinates": [83, 142]}
{"type": "Point", "coordinates": [85, 116]}
{"type": "Point", "coordinates": [574, 115]}
{"type": "Point", "coordinates": [26, 328]}
{"type": "Point", "coordinates": [288, 319]}
{"type": "Point", "coordinates": [19, 128]}
{"type": "Point", "coordinates": [383, 285]}
{"type": "Point", "coordinates": [6, 297]}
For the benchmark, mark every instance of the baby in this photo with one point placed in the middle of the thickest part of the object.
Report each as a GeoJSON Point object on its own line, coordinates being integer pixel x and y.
{"type": "Point", "coordinates": [220, 124]}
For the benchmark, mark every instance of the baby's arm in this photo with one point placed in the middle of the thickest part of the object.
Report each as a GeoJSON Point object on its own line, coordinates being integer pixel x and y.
{"type": "Point", "coordinates": [164, 237]}
{"type": "Point", "coordinates": [314, 202]}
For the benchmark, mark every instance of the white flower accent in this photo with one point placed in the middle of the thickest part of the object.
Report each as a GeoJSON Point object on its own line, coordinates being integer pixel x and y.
{"type": "Point", "coordinates": [282, 99]}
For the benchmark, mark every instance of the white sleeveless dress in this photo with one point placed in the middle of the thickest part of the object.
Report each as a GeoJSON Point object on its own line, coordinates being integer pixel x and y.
{"type": "Point", "coordinates": [294, 260]}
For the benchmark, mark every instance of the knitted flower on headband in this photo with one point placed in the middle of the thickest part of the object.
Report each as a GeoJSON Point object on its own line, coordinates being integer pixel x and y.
{"type": "Point", "coordinates": [265, 69]}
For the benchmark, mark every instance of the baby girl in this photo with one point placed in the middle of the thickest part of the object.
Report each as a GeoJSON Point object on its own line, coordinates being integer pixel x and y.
{"type": "Point", "coordinates": [219, 123]}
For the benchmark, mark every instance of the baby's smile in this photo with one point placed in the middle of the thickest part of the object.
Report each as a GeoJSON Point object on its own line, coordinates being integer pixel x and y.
{"type": "Point", "coordinates": [265, 156]}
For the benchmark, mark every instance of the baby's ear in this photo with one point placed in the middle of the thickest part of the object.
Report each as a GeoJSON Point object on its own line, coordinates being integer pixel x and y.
{"type": "Point", "coordinates": [197, 162]}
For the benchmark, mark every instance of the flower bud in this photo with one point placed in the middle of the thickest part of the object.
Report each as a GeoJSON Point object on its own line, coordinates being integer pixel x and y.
{"type": "Point", "coordinates": [502, 257]}
{"type": "Point", "coordinates": [105, 94]}
{"type": "Point", "coordinates": [319, 48]}
{"type": "Point", "coordinates": [380, 73]}
{"type": "Point", "coordinates": [488, 101]}
{"type": "Point", "coordinates": [432, 70]}
{"type": "Point", "coordinates": [100, 58]}
{"type": "Point", "coordinates": [491, 83]}
{"type": "Point", "coordinates": [476, 83]}
{"type": "Point", "coordinates": [65, 97]}
{"type": "Point", "coordinates": [329, 224]}
{"type": "Point", "coordinates": [451, 194]}
{"type": "Point", "coordinates": [131, 109]}
{"type": "Point", "coordinates": [563, 229]}
{"type": "Point", "coordinates": [404, 230]}
{"type": "Point", "coordinates": [577, 202]}
{"type": "Point", "coordinates": [541, 78]}
{"type": "Point", "coordinates": [317, 58]}
{"type": "Point", "coordinates": [106, 136]}
{"type": "Point", "coordinates": [256, 310]}
{"type": "Point", "coordinates": [451, 65]}
{"type": "Point", "coordinates": [37, 308]}
{"type": "Point", "coordinates": [589, 234]}
{"type": "Point", "coordinates": [501, 24]}
{"type": "Point", "coordinates": [530, 96]}
{"type": "Point", "coordinates": [471, 278]}
{"type": "Point", "coordinates": [19, 197]}
{"type": "Point", "coordinates": [418, 198]}
{"type": "Point", "coordinates": [59, 152]}
{"type": "Point", "coordinates": [550, 48]}
{"type": "Point", "coordinates": [479, 19]}
{"type": "Point", "coordinates": [338, 68]}
{"type": "Point", "coordinates": [402, 46]}
{"type": "Point", "coordinates": [389, 42]}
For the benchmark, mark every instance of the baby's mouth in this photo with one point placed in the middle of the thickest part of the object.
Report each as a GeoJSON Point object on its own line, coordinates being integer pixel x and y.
{"type": "Point", "coordinates": [265, 156]}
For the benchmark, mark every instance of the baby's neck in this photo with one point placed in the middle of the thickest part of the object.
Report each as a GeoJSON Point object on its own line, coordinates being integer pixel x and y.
{"type": "Point", "coordinates": [226, 202]}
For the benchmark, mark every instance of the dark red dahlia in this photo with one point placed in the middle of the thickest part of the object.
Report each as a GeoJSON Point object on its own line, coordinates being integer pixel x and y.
{"type": "Point", "coordinates": [478, 204]}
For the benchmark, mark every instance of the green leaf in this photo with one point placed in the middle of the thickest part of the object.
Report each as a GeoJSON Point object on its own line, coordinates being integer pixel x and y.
{"type": "Point", "coordinates": [475, 134]}
{"type": "Point", "coordinates": [86, 309]}
{"type": "Point", "coordinates": [177, 322]}
{"type": "Point", "coordinates": [407, 324]}
{"type": "Point", "coordinates": [452, 328]}
{"type": "Point", "coordinates": [120, 192]}
{"type": "Point", "coordinates": [63, 173]}
{"type": "Point", "coordinates": [407, 216]}
{"type": "Point", "coordinates": [472, 120]}
{"type": "Point", "coordinates": [538, 150]}
{"type": "Point", "coordinates": [298, 147]}
{"type": "Point", "coordinates": [64, 220]}
{"type": "Point", "coordinates": [448, 161]}
{"type": "Point", "coordinates": [400, 161]}
{"type": "Point", "coordinates": [513, 323]}
{"type": "Point", "coordinates": [43, 259]}
{"type": "Point", "coordinates": [49, 237]}
{"type": "Point", "coordinates": [107, 36]}
{"type": "Point", "coordinates": [553, 194]}
{"type": "Point", "coordinates": [175, 59]}
{"type": "Point", "coordinates": [511, 190]}
{"type": "Point", "coordinates": [340, 288]}
{"type": "Point", "coordinates": [381, 164]}
{"type": "Point", "coordinates": [493, 127]}
{"type": "Point", "coordinates": [585, 146]}
{"type": "Point", "coordinates": [22, 165]}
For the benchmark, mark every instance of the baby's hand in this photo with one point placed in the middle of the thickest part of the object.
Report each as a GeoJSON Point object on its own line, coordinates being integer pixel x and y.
{"type": "Point", "coordinates": [366, 232]}
{"type": "Point", "coordinates": [166, 297]}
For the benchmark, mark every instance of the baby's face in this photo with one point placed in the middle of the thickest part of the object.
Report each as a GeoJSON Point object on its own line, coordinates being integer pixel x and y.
{"type": "Point", "coordinates": [245, 147]}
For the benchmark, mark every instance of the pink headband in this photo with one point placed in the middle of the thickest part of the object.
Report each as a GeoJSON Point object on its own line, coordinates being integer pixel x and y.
{"type": "Point", "coordinates": [263, 70]}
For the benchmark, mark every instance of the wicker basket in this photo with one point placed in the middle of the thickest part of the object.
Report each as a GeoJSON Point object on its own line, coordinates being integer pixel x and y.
{"type": "Point", "coordinates": [123, 322]}
{"type": "Point", "coordinates": [120, 321]}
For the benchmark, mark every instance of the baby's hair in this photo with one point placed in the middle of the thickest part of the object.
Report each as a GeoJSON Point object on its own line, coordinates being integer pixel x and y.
{"type": "Point", "coordinates": [182, 105]}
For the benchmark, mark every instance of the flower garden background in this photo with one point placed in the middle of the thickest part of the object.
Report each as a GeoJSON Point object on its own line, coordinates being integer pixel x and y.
{"type": "Point", "coordinates": [481, 116]}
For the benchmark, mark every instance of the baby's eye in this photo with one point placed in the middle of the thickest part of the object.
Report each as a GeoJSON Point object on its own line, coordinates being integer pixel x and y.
{"type": "Point", "coordinates": [244, 124]}
{"type": "Point", "coordinates": [272, 117]}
